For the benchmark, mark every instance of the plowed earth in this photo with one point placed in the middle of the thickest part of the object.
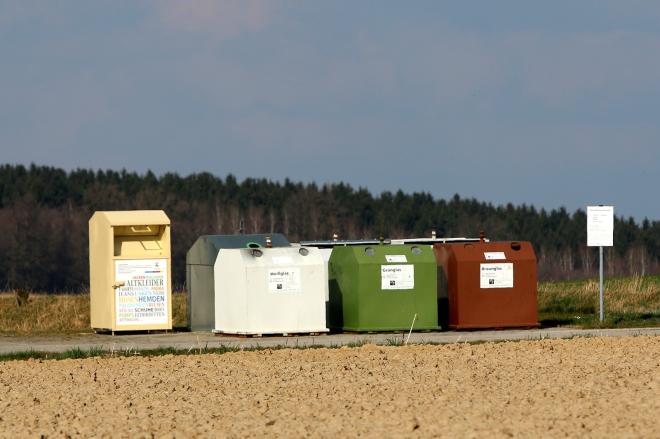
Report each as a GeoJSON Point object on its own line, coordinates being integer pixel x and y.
{"type": "Point", "coordinates": [591, 387]}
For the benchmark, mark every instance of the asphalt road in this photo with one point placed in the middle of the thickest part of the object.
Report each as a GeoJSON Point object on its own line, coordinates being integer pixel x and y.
{"type": "Point", "coordinates": [197, 340]}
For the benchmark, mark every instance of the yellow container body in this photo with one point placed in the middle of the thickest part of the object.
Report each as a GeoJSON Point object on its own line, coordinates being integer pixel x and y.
{"type": "Point", "coordinates": [130, 270]}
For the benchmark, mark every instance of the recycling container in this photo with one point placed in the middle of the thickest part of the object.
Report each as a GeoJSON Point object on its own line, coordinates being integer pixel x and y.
{"type": "Point", "coordinates": [383, 288]}
{"type": "Point", "coordinates": [325, 254]}
{"type": "Point", "coordinates": [488, 284]}
{"type": "Point", "coordinates": [278, 290]}
{"type": "Point", "coordinates": [325, 248]}
{"type": "Point", "coordinates": [200, 261]}
{"type": "Point", "coordinates": [129, 270]}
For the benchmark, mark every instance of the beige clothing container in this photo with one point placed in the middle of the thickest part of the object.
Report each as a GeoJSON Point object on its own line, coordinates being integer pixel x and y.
{"type": "Point", "coordinates": [130, 271]}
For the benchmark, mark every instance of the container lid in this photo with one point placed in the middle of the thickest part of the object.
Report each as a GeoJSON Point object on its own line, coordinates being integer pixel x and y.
{"type": "Point", "coordinates": [205, 250]}
{"type": "Point", "coordinates": [397, 241]}
{"type": "Point", "coordinates": [342, 242]}
{"type": "Point", "coordinates": [432, 240]}
{"type": "Point", "coordinates": [384, 254]}
{"type": "Point", "coordinates": [132, 217]}
{"type": "Point", "coordinates": [491, 252]}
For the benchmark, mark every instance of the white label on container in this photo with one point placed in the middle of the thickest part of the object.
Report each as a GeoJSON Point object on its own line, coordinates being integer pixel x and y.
{"type": "Point", "coordinates": [282, 260]}
{"type": "Point", "coordinates": [142, 300]}
{"type": "Point", "coordinates": [397, 277]}
{"type": "Point", "coordinates": [496, 275]}
{"type": "Point", "coordinates": [396, 258]}
{"type": "Point", "coordinates": [284, 280]}
{"type": "Point", "coordinates": [600, 226]}
{"type": "Point", "coordinates": [494, 255]}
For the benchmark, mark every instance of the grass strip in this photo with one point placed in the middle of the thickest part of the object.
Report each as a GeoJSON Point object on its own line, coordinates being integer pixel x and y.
{"type": "Point", "coordinates": [78, 353]}
{"type": "Point", "coordinates": [629, 301]}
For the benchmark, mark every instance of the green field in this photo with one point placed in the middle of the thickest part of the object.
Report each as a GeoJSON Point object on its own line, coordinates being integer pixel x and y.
{"type": "Point", "coordinates": [629, 302]}
{"type": "Point", "coordinates": [49, 314]}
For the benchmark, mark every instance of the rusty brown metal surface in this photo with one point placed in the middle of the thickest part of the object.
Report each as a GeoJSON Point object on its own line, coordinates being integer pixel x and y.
{"type": "Point", "coordinates": [468, 305]}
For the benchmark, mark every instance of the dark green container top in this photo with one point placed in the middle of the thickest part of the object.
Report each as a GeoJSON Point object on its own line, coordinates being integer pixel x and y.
{"type": "Point", "coordinates": [206, 248]}
{"type": "Point", "coordinates": [382, 288]}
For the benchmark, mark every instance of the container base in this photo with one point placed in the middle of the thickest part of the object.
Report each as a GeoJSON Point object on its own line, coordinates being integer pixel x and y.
{"type": "Point", "coordinates": [108, 331]}
{"type": "Point", "coordinates": [391, 329]}
{"type": "Point", "coordinates": [494, 327]}
{"type": "Point", "coordinates": [255, 334]}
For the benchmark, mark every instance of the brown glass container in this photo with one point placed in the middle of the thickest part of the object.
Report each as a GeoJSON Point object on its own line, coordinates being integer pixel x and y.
{"type": "Point", "coordinates": [487, 285]}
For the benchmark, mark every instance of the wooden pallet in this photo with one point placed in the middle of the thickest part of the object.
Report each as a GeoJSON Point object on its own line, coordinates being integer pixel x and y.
{"type": "Point", "coordinates": [102, 331]}
{"type": "Point", "coordinates": [394, 332]}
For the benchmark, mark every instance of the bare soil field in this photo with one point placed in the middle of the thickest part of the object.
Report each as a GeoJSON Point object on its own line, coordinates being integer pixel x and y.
{"type": "Point", "coordinates": [587, 387]}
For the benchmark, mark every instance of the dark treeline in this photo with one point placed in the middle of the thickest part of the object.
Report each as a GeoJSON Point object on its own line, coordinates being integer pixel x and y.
{"type": "Point", "coordinates": [44, 213]}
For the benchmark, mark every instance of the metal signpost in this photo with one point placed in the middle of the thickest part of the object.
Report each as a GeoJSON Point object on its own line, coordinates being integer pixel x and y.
{"type": "Point", "coordinates": [600, 233]}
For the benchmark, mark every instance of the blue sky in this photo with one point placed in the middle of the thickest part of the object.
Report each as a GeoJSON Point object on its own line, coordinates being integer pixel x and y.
{"type": "Point", "coordinates": [545, 103]}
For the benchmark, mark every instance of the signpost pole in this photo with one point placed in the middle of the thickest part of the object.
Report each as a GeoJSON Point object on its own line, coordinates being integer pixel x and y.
{"type": "Point", "coordinates": [602, 307]}
{"type": "Point", "coordinates": [600, 233]}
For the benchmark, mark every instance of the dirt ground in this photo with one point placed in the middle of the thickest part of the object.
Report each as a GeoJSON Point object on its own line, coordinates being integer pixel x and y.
{"type": "Point", "coordinates": [589, 387]}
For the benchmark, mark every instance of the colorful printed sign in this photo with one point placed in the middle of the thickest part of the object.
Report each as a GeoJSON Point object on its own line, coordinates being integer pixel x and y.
{"type": "Point", "coordinates": [142, 299]}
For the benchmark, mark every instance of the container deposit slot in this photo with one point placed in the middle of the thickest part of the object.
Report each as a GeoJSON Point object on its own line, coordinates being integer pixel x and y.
{"type": "Point", "coordinates": [135, 240]}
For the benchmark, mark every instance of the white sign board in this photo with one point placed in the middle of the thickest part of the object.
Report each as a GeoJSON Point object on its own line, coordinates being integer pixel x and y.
{"type": "Point", "coordinates": [142, 300]}
{"type": "Point", "coordinates": [494, 255]}
{"type": "Point", "coordinates": [397, 277]}
{"type": "Point", "coordinates": [396, 258]}
{"type": "Point", "coordinates": [496, 275]}
{"type": "Point", "coordinates": [600, 226]}
{"type": "Point", "coordinates": [284, 280]}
